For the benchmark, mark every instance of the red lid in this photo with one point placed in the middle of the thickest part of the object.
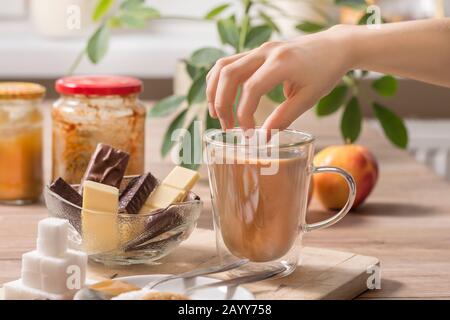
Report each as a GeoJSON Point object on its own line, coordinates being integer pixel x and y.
{"type": "Point", "coordinates": [98, 85]}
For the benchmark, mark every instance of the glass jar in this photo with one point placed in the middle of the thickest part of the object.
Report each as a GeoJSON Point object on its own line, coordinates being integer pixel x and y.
{"type": "Point", "coordinates": [20, 142]}
{"type": "Point", "coordinates": [92, 110]}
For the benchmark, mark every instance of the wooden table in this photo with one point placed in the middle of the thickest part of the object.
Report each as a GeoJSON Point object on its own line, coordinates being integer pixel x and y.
{"type": "Point", "coordinates": [405, 222]}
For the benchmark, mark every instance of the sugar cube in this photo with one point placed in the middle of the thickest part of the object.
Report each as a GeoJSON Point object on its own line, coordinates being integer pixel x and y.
{"type": "Point", "coordinates": [16, 290]}
{"type": "Point", "coordinates": [51, 248]}
{"type": "Point", "coordinates": [31, 261]}
{"type": "Point", "coordinates": [53, 230]}
{"type": "Point", "coordinates": [31, 279]}
{"type": "Point", "coordinates": [79, 259]}
{"type": "Point", "coordinates": [52, 237]}
{"type": "Point", "coordinates": [51, 272]}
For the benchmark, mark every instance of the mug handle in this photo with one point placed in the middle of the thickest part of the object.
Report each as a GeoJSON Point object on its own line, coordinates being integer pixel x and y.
{"type": "Point", "coordinates": [351, 198]}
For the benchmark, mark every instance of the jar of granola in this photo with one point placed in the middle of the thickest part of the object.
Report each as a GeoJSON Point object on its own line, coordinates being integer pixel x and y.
{"type": "Point", "coordinates": [20, 142]}
{"type": "Point", "coordinates": [92, 110]}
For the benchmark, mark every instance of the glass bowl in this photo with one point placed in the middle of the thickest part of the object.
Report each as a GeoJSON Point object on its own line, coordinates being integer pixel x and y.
{"type": "Point", "coordinates": [142, 238]}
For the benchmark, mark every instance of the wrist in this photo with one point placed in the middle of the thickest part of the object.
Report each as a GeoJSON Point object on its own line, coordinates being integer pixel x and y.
{"type": "Point", "coordinates": [349, 43]}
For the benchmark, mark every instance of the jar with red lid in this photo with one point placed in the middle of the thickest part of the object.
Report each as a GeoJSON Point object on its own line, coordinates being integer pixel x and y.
{"type": "Point", "coordinates": [92, 110]}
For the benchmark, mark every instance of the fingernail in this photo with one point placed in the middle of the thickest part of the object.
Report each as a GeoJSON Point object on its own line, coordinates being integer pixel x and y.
{"type": "Point", "coordinates": [222, 124]}
{"type": "Point", "coordinates": [212, 112]}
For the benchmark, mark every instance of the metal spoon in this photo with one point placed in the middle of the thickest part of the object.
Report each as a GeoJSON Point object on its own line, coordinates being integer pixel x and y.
{"type": "Point", "coordinates": [260, 276]}
{"type": "Point", "coordinates": [199, 272]}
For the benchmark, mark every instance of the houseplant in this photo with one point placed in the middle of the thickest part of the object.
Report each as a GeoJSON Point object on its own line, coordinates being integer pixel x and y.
{"type": "Point", "coordinates": [241, 26]}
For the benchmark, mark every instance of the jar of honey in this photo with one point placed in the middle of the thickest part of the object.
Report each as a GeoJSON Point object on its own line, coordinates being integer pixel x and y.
{"type": "Point", "coordinates": [92, 110]}
{"type": "Point", "coordinates": [20, 142]}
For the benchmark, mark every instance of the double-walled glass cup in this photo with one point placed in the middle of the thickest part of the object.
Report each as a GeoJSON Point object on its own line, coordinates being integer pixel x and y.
{"type": "Point", "coordinates": [259, 191]}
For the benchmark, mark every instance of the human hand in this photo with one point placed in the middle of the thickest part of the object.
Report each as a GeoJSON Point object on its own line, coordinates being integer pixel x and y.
{"type": "Point", "coordinates": [309, 67]}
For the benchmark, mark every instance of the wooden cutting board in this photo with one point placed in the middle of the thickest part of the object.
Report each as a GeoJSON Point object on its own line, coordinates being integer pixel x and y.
{"type": "Point", "coordinates": [323, 274]}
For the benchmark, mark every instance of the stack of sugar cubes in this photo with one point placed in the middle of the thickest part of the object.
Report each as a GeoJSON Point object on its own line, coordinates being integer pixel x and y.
{"type": "Point", "coordinates": [52, 271]}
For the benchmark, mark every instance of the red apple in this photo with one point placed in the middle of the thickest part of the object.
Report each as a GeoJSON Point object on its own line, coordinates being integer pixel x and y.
{"type": "Point", "coordinates": [331, 189]}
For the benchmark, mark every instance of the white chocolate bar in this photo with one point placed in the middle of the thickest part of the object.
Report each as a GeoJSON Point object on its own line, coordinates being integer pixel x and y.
{"type": "Point", "coordinates": [99, 217]}
{"type": "Point", "coordinates": [181, 178]}
{"type": "Point", "coordinates": [173, 189]}
{"type": "Point", "coordinates": [164, 196]}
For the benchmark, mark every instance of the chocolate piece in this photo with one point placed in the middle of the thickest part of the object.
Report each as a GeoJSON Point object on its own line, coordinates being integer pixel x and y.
{"type": "Point", "coordinates": [107, 166]}
{"type": "Point", "coordinates": [136, 193]}
{"type": "Point", "coordinates": [161, 221]}
{"type": "Point", "coordinates": [65, 191]}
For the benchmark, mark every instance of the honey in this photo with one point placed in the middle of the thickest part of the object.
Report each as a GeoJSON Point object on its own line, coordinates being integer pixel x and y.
{"type": "Point", "coordinates": [20, 142]}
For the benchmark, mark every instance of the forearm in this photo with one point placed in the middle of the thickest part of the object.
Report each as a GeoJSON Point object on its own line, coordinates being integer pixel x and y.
{"type": "Point", "coordinates": [418, 50]}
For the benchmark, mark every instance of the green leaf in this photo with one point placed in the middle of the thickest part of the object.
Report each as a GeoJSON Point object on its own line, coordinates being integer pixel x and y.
{"type": "Point", "coordinates": [206, 57]}
{"type": "Point", "coordinates": [135, 14]}
{"type": "Point", "coordinates": [386, 86]}
{"type": "Point", "coordinates": [351, 121]}
{"type": "Point", "coordinates": [137, 17]}
{"type": "Point", "coordinates": [196, 147]}
{"type": "Point", "coordinates": [216, 11]}
{"type": "Point", "coordinates": [191, 70]}
{"type": "Point", "coordinates": [393, 126]}
{"type": "Point", "coordinates": [269, 21]}
{"type": "Point", "coordinates": [144, 12]}
{"type": "Point", "coordinates": [257, 36]}
{"type": "Point", "coordinates": [212, 123]}
{"type": "Point", "coordinates": [132, 21]}
{"type": "Point", "coordinates": [166, 106]}
{"type": "Point", "coordinates": [310, 27]}
{"type": "Point", "coordinates": [364, 19]}
{"type": "Point", "coordinates": [351, 3]}
{"type": "Point", "coordinates": [229, 32]}
{"type": "Point", "coordinates": [168, 143]}
{"type": "Point", "coordinates": [114, 22]}
{"type": "Point", "coordinates": [277, 94]}
{"type": "Point", "coordinates": [332, 102]}
{"type": "Point", "coordinates": [98, 44]}
{"type": "Point", "coordinates": [132, 4]}
{"type": "Point", "coordinates": [243, 32]}
{"type": "Point", "coordinates": [197, 92]}
{"type": "Point", "coordinates": [101, 9]}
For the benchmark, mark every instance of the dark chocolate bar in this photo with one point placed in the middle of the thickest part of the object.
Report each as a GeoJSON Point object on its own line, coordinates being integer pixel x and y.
{"type": "Point", "coordinates": [107, 166]}
{"type": "Point", "coordinates": [136, 193]}
{"type": "Point", "coordinates": [65, 191]}
{"type": "Point", "coordinates": [161, 221]}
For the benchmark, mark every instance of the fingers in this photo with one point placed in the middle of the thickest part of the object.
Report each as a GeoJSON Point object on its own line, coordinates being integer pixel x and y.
{"type": "Point", "coordinates": [291, 109]}
{"type": "Point", "coordinates": [262, 81]}
{"type": "Point", "coordinates": [212, 79]}
{"type": "Point", "coordinates": [231, 77]}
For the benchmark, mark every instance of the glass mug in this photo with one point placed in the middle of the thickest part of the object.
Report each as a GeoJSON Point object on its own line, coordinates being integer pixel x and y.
{"type": "Point", "coordinates": [259, 193]}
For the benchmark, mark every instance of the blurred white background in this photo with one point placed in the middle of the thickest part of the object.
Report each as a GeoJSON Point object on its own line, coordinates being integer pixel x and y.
{"type": "Point", "coordinates": [36, 43]}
